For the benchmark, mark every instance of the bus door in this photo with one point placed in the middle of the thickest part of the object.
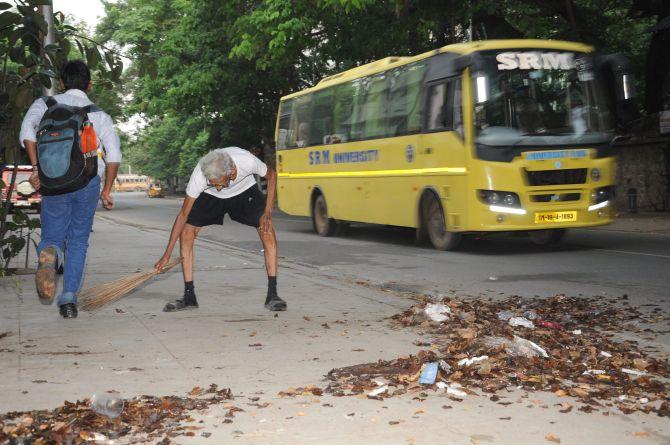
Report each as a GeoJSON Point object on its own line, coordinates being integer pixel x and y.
{"type": "Point", "coordinates": [443, 148]}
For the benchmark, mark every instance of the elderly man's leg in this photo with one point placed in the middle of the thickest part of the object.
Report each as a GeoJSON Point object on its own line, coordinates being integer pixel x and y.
{"type": "Point", "coordinates": [269, 240]}
{"type": "Point", "coordinates": [186, 242]}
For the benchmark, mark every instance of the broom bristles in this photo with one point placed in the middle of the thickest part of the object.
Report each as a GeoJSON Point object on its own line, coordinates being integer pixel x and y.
{"type": "Point", "coordinates": [98, 296]}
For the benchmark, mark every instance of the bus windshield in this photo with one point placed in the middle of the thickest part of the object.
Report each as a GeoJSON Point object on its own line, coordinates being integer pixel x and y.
{"type": "Point", "coordinates": [541, 99]}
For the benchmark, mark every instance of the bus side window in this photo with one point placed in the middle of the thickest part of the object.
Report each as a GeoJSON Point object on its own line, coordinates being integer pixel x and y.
{"type": "Point", "coordinates": [346, 96]}
{"type": "Point", "coordinates": [284, 134]}
{"type": "Point", "coordinates": [436, 106]}
{"type": "Point", "coordinates": [445, 107]}
{"type": "Point", "coordinates": [299, 122]}
{"type": "Point", "coordinates": [322, 117]}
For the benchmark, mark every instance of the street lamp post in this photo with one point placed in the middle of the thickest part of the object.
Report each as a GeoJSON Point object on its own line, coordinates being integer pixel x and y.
{"type": "Point", "coordinates": [49, 39]}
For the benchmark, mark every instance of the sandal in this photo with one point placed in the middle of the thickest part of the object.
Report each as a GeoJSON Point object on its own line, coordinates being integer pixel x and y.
{"type": "Point", "coordinates": [45, 277]}
{"type": "Point", "coordinates": [275, 304]}
{"type": "Point", "coordinates": [179, 305]}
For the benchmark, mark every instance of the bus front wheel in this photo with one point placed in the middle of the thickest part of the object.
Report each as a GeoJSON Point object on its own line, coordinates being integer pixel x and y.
{"type": "Point", "coordinates": [548, 237]}
{"type": "Point", "coordinates": [435, 227]}
{"type": "Point", "coordinates": [323, 224]}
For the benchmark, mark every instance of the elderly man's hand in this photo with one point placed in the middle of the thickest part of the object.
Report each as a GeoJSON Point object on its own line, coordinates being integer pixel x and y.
{"type": "Point", "coordinates": [266, 222]}
{"type": "Point", "coordinates": [162, 262]}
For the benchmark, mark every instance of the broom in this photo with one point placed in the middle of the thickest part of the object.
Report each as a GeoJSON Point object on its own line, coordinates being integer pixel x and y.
{"type": "Point", "coordinates": [96, 297]}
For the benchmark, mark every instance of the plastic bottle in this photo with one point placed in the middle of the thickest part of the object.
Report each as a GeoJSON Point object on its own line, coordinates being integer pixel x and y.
{"type": "Point", "coordinates": [108, 404]}
{"type": "Point", "coordinates": [89, 141]}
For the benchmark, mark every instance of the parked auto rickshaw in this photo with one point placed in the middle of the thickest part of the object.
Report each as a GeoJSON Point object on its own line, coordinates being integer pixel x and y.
{"type": "Point", "coordinates": [155, 191]}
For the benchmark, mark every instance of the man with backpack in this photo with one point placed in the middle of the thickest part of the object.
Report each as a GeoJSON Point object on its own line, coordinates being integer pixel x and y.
{"type": "Point", "coordinates": [66, 136]}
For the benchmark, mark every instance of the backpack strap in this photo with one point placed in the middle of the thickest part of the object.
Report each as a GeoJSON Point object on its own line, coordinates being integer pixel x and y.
{"type": "Point", "coordinates": [93, 108]}
{"type": "Point", "coordinates": [49, 101]}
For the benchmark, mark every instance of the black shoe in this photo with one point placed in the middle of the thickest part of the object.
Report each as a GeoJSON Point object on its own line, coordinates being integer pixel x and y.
{"type": "Point", "coordinates": [274, 303]}
{"type": "Point", "coordinates": [184, 303]}
{"type": "Point", "coordinates": [68, 310]}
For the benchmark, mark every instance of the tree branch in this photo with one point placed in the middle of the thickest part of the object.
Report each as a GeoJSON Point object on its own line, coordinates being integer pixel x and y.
{"type": "Point", "coordinates": [118, 53]}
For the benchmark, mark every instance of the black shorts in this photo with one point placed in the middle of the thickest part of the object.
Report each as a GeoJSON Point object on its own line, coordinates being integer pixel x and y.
{"type": "Point", "coordinates": [245, 208]}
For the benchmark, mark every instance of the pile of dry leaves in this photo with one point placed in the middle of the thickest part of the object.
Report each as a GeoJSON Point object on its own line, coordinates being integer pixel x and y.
{"type": "Point", "coordinates": [146, 417]}
{"type": "Point", "coordinates": [570, 346]}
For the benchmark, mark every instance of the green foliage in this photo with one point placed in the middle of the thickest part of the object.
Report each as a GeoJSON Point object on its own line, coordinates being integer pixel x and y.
{"type": "Point", "coordinates": [210, 73]}
{"type": "Point", "coordinates": [27, 66]}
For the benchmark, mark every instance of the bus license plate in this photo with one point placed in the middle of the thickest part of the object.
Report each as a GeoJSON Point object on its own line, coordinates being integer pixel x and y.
{"type": "Point", "coordinates": [555, 217]}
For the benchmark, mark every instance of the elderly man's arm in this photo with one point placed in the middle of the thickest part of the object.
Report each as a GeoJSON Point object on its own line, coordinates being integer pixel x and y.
{"type": "Point", "coordinates": [266, 218]}
{"type": "Point", "coordinates": [177, 227]}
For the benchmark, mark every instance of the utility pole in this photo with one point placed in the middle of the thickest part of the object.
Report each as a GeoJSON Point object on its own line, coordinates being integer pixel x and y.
{"type": "Point", "coordinates": [49, 39]}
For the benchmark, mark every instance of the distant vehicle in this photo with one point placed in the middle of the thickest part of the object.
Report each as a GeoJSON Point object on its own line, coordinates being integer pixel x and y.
{"type": "Point", "coordinates": [155, 191]}
{"type": "Point", "coordinates": [24, 195]}
{"type": "Point", "coordinates": [491, 136]}
{"type": "Point", "coordinates": [131, 183]}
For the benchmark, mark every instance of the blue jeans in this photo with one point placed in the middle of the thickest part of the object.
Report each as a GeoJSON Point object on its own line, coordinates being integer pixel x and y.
{"type": "Point", "coordinates": [66, 225]}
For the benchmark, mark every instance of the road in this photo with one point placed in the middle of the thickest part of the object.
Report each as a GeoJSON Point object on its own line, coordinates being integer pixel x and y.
{"type": "Point", "coordinates": [589, 262]}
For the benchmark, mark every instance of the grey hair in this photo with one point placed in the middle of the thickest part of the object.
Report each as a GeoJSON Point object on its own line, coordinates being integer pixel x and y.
{"type": "Point", "coordinates": [216, 164]}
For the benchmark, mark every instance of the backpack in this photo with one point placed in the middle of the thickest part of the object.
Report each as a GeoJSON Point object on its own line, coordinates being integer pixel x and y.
{"type": "Point", "coordinates": [63, 166]}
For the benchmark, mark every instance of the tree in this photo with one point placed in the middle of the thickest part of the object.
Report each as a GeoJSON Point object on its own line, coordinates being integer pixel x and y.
{"type": "Point", "coordinates": [27, 66]}
{"type": "Point", "coordinates": [224, 65]}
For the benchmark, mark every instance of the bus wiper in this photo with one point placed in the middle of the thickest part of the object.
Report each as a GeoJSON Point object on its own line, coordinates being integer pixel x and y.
{"type": "Point", "coordinates": [544, 133]}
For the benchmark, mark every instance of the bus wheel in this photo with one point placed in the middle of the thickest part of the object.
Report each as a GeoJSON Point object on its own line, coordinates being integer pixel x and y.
{"type": "Point", "coordinates": [323, 225]}
{"type": "Point", "coordinates": [548, 237]}
{"type": "Point", "coordinates": [433, 217]}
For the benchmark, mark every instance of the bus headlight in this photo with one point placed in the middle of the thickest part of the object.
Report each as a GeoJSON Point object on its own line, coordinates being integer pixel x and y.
{"type": "Point", "coordinates": [602, 194]}
{"type": "Point", "coordinates": [500, 198]}
{"type": "Point", "coordinates": [601, 198]}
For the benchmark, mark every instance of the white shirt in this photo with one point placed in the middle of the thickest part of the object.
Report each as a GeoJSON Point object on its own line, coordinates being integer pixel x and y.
{"type": "Point", "coordinates": [109, 145]}
{"type": "Point", "coordinates": [247, 166]}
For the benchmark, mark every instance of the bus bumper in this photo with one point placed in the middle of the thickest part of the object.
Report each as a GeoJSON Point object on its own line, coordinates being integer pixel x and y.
{"type": "Point", "coordinates": [500, 219]}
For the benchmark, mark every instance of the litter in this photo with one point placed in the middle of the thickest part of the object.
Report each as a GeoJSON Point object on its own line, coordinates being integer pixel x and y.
{"type": "Point", "coordinates": [444, 366]}
{"type": "Point", "coordinates": [633, 372]}
{"type": "Point", "coordinates": [521, 321]}
{"type": "Point", "coordinates": [577, 332]}
{"type": "Point", "coordinates": [519, 347]}
{"type": "Point", "coordinates": [531, 315]}
{"type": "Point", "coordinates": [437, 312]}
{"type": "Point", "coordinates": [429, 374]}
{"type": "Point", "coordinates": [108, 404]}
{"type": "Point", "coordinates": [469, 361]}
{"type": "Point", "coordinates": [605, 354]}
{"type": "Point", "coordinates": [505, 315]}
{"type": "Point", "coordinates": [376, 392]}
{"type": "Point", "coordinates": [453, 390]}
{"type": "Point", "coordinates": [594, 372]}
{"type": "Point", "coordinates": [550, 324]}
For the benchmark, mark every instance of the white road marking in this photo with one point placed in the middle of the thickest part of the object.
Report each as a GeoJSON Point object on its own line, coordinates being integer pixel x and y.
{"type": "Point", "coordinates": [634, 253]}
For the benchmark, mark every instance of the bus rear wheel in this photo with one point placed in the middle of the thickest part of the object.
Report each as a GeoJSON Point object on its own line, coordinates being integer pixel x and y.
{"type": "Point", "coordinates": [323, 224]}
{"type": "Point", "coordinates": [547, 237]}
{"type": "Point", "coordinates": [435, 227]}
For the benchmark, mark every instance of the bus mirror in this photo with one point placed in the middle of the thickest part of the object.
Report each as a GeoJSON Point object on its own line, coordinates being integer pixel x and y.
{"type": "Point", "coordinates": [615, 71]}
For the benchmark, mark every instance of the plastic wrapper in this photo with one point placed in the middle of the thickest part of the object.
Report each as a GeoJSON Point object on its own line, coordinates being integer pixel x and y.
{"type": "Point", "coordinates": [521, 321]}
{"type": "Point", "coordinates": [518, 347]}
{"type": "Point", "coordinates": [437, 312]}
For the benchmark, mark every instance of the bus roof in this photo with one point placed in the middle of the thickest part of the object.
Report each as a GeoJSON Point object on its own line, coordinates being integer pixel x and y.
{"type": "Point", "coordinates": [459, 48]}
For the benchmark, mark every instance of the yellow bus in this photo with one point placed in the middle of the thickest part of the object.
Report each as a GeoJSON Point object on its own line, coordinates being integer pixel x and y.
{"type": "Point", "coordinates": [131, 183]}
{"type": "Point", "coordinates": [489, 136]}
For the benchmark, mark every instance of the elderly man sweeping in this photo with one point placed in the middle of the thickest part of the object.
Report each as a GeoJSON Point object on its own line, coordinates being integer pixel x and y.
{"type": "Point", "coordinates": [223, 183]}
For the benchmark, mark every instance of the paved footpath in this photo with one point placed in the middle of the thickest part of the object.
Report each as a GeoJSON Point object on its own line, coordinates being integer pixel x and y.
{"type": "Point", "coordinates": [135, 348]}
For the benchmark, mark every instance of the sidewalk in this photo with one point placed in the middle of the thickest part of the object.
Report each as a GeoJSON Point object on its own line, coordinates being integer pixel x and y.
{"type": "Point", "coordinates": [658, 223]}
{"type": "Point", "coordinates": [232, 341]}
